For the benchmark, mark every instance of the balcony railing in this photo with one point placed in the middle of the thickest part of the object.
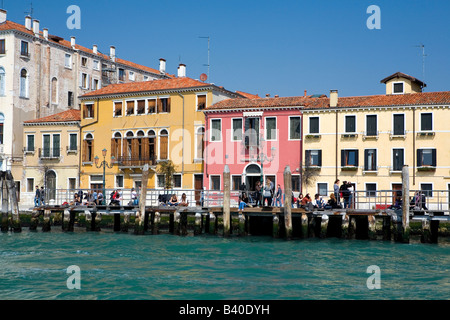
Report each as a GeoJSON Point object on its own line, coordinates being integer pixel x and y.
{"type": "Point", "coordinates": [49, 153]}
{"type": "Point", "coordinates": [135, 161]}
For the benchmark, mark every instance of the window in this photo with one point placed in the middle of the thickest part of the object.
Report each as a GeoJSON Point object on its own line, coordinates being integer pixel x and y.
{"type": "Point", "coordinates": [151, 106]}
{"type": "Point", "coordinates": [88, 147]}
{"type": "Point", "coordinates": [119, 181]}
{"type": "Point", "coordinates": [371, 189]}
{"type": "Point", "coordinates": [2, 81]}
{"type": "Point", "coordinates": [96, 65]}
{"type": "Point", "coordinates": [350, 124]}
{"type": "Point", "coordinates": [322, 189]}
{"type": "Point", "coordinates": [399, 125]}
{"type": "Point", "coordinates": [88, 111]}
{"type": "Point", "coordinates": [427, 189]}
{"type": "Point", "coordinates": [215, 183]}
{"type": "Point", "coordinates": [426, 157]}
{"type": "Point", "coordinates": [397, 87]}
{"type": "Point", "coordinates": [30, 185]}
{"type": "Point", "coordinates": [237, 129]}
{"type": "Point", "coordinates": [146, 78]}
{"type": "Point", "coordinates": [163, 145]}
{"type": "Point", "coordinates": [56, 145]}
{"type": "Point", "coordinates": [118, 109]}
{"type": "Point", "coordinates": [200, 148]}
{"type": "Point", "coordinates": [251, 129]}
{"type": "Point", "coordinates": [294, 128]}
{"type": "Point", "coordinates": [30, 143]}
{"type": "Point", "coordinates": [24, 83]}
{"type": "Point", "coordinates": [314, 125]}
{"type": "Point", "coordinates": [349, 158]}
{"type": "Point", "coordinates": [72, 184]}
{"type": "Point", "coordinates": [54, 91]}
{"type": "Point", "coordinates": [24, 49]}
{"type": "Point", "coordinates": [216, 130]}
{"type": "Point", "coordinates": [84, 61]}
{"type": "Point", "coordinates": [397, 161]}
{"type": "Point", "coordinates": [313, 158]}
{"type": "Point", "coordinates": [370, 160]}
{"type": "Point", "coordinates": [163, 105]}
{"type": "Point", "coordinates": [51, 146]}
{"type": "Point", "coordinates": [141, 107]}
{"type": "Point", "coordinates": [177, 180]}
{"type": "Point", "coordinates": [161, 181]}
{"type": "Point", "coordinates": [73, 142]}
{"type": "Point", "coordinates": [201, 101]}
{"type": "Point", "coordinates": [2, 46]}
{"type": "Point", "coordinates": [236, 182]}
{"type": "Point", "coordinates": [70, 99]}
{"type": "Point", "coordinates": [131, 75]}
{"type": "Point", "coordinates": [130, 108]}
{"type": "Point", "coordinates": [68, 61]}
{"type": "Point", "coordinates": [121, 74]}
{"type": "Point", "coordinates": [371, 125]}
{"type": "Point", "coordinates": [295, 183]}
{"type": "Point", "coordinates": [2, 120]}
{"type": "Point", "coordinates": [95, 84]}
{"type": "Point", "coordinates": [426, 122]}
{"type": "Point", "coordinates": [84, 81]}
{"type": "Point", "coordinates": [116, 146]}
{"type": "Point", "coordinates": [271, 128]}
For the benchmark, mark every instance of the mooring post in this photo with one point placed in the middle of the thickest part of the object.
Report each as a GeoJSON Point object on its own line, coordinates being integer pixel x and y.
{"type": "Point", "coordinates": [226, 201]}
{"type": "Point", "coordinates": [275, 226]}
{"type": "Point", "coordinates": [241, 224]}
{"type": "Point", "coordinates": [312, 227]}
{"type": "Point", "coordinates": [212, 223]}
{"type": "Point", "coordinates": [405, 206]}
{"type": "Point", "coordinates": [156, 222]}
{"type": "Point", "coordinates": [140, 215]}
{"type": "Point", "coordinates": [345, 226]}
{"type": "Point", "coordinates": [198, 224]}
{"type": "Point", "coordinates": [116, 222]}
{"type": "Point", "coordinates": [387, 228]}
{"type": "Point", "coordinates": [10, 184]}
{"type": "Point", "coordinates": [65, 220]}
{"type": "Point", "coordinates": [88, 219]}
{"type": "Point", "coordinates": [352, 227]}
{"type": "Point", "coordinates": [176, 223]}
{"type": "Point", "coordinates": [35, 220]}
{"type": "Point", "coordinates": [324, 226]}
{"type": "Point", "coordinates": [372, 232]}
{"type": "Point", "coordinates": [288, 201]}
{"type": "Point", "coordinates": [426, 232]}
{"type": "Point", "coordinates": [5, 203]}
{"type": "Point", "coordinates": [304, 220]}
{"type": "Point", "coordinates": [46, 226]}
{"type": "Point", "coordinates": [126, 222]}
{"type": "Point", "coordinates": [97, 220]}
{"type": "Point", "coordinates": [183, 223]}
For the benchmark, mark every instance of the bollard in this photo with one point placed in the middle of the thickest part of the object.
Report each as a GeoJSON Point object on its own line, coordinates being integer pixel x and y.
{"type": "Point", "coordinates": [226, 201]}
{"type": "Point", "coordinates": [288, 201]}
{"type": "Point", "coordinates": [46, 225]}
{"type": "Point", "coordinates": [35, 221]}
{"type": "Point", "coordinates": [345, 226]}
{"type": "Point", "coordinates": [198, 224]}
{"type": "Point", "coordinates": [351, 227]}
{"type": "Point", "coordinates": [88, 219]}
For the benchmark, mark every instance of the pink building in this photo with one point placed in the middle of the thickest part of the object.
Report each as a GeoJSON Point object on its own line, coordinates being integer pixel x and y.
{"type": "Point", "coordinates": [257, 138]}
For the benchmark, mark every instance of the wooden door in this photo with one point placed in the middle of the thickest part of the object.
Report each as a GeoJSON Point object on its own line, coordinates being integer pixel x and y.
{"type": "Point", "coordinates": [198, 186]}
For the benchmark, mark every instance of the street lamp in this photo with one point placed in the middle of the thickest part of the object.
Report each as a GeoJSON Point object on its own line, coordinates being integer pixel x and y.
{"type": "Point", "coordinates": [104, 164]}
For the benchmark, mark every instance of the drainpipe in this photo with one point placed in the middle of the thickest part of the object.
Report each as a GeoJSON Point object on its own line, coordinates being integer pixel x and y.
{"type": "Point", "coordinates": [182, 138]}
{"type": "Point", "coordinates": [414, 146]}
{"type": "Point", "coordinates": [301, 150]}
{"type": "Point", "coordinates": [336, 173]}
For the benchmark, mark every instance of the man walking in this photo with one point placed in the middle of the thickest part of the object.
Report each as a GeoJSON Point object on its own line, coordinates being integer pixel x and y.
{"type": "Point", "coordinates": [37, 197]}
{"type": "Point", "coordinates": [42, 193]}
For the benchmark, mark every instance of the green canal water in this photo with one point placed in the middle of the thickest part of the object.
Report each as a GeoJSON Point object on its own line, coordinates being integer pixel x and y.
{"type": "Point", "coordinates": [33, 265]}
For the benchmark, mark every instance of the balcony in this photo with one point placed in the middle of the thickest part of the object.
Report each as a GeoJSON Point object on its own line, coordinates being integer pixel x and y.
{"type": "Point", "coordinates": [134, 162]}
{"type": "Point", "coordinates": [49, 153]}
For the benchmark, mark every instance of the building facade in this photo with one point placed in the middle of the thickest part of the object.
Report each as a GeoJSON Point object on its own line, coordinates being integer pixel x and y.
{"type": "Point", "coordinates": [367, 140]}
{"type": "Point", "coordinates": [42, 74]}
{"type": "Point", "coordinates": [52, 153]}
{"type": "Point", "coordinates": [147, 123]}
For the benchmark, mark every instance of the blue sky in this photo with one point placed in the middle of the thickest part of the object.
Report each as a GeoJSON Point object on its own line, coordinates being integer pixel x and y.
{"type": "Point", "coordinates": [278, 47]}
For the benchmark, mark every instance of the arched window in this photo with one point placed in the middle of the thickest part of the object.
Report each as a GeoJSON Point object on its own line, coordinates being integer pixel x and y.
{"type": "Point", "coordinates": [139, 148]}
{"type": "Point", "coordinates": [128, 147]}
{"type": "Point", "coordinates": [116, 146]}
{"type": "Point", "coordinates": [199, 140]}
{"type": "Point", "coordinates": [2, 121]}
{"type": "Point", "coordinates": [54, 91]}
{"type": "Point", "coordinates": [24, 83]}
{"type": "Point", "coordinates": [88, 147]}
{"type": "Point", "coordinates": [2, 81]}
{"type": "Point", "coordinates": [152, 146]}
{"type": "Point", "coordinates": [163, 144]}
{"type": "Point", "coordinates": [50, 186]}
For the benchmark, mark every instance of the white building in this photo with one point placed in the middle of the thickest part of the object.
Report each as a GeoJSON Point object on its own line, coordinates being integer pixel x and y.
{"type": "Point", "coordinates": [42, 74]}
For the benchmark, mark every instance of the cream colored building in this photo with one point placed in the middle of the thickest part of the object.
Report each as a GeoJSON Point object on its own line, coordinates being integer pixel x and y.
{"type": "Point", "coordinates": [367, 140]}
{"type": "Point", "coordinates": [51, 158]}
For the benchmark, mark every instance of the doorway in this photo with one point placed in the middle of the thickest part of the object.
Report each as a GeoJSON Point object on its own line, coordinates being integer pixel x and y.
{"type": "Point", "coordinates": [198, 186]}
{"type": "Point", "coordinates": [50, 186]}
{"type": "Point", "coordinates": [396, 191]}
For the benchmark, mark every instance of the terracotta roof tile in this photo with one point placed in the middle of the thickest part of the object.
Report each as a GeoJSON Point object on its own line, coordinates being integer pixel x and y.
{"type": "Point", "coordinates": [65, 116]}
{"type": "Point", "coordinates": [260, 103]}
{"type": "Point", "coordinates": [403, 75]}
{"type": "Point", "coordinates": [248, 95]}
{"type": "Point", "coordinates": [146, 86]}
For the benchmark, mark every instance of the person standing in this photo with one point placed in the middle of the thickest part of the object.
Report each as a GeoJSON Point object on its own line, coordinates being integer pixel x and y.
{"type": "Point", "coordinates": [350, 194]}
{"type": "Point", "coordinates": [336, 191]}
{"type": "Point", "coordinates": [134, 197]}
{"type": "Point", "coordinates": [278, 196]}
{"type": "Point", "coordinates": [258, 193]}
{"type": "Point", "coordinates": [37, 197]}
{"type": "Point", "coordinates": [42, 194]}
{"type": "Point", "coordinates": [267, 194]}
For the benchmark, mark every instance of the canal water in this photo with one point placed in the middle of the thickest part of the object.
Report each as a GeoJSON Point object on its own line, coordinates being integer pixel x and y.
{"type": "Point", "coordinates": [33, 265]}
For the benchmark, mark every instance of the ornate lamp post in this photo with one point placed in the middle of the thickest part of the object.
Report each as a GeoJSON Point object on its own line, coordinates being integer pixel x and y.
{"type": "Point", "coordinates": [104, 164]}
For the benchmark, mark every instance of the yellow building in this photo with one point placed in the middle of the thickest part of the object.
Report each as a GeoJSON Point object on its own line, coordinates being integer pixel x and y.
{"type": "Point", "coordinates": [367, 140]}
{"type": "Point", "coordinates": [51, 158]}
{"type": "Point", "coordinates": [146, 122]}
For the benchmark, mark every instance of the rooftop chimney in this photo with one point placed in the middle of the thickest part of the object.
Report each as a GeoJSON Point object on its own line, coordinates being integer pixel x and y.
{"type": "Point", "coordinates": [45, 33]}
{"type": "Point", "coordinates": [162, 65]}
{"type": "Point", "coordinates": [112, 53]}
{"type": "Point", "coordinates": [36, 27]}
{"type": "Point", "coordinates": [333, 98]}
{"type": "Point", "coordinates": [2, 15]}
{"type": "Point", "coordinates": [182, 70]}
{"type": "Point", "coordinates": [267, 95]}
{"type": "Point", "coordinates": [72, 42]}
{"type": "Point", "coordinates": [306, 93]}
{"type": "Point", "coordinates": [28, 22]}
{"type": "Point", "coordinates": [95, 49]}
{"type": "Point", "coordinates": [276, 96]}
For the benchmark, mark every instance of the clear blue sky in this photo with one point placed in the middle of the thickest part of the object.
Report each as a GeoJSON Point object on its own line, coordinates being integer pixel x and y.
{"type": "Point", "coordinates": [278, 47]}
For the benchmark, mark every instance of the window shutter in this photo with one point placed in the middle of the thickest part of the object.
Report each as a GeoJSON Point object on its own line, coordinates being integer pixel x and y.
{"type": "Point", "coordinates": [419, 157]}
{"type": "Point", "coordinates": [159, 103]}
{"type": "Point", "coordinates": [81, 80]}
{"type": "Point", "coordinates": [342, 158]}
{"type": "Point", "coordinates": [375, 160]}
{"type": "Point", "coordinates": [320, 158]}
{"type": "Point", "coordinates": [357, 158]}
{"type": "Point", "coordinates": [168, 105]}
{"type": "Point", "coordinates": [84, 157]}
{"type": "Point", "coordinates": [91, 158]}
{"type": "Point", "coordinates": [433, 157]}
{"type": "Point", "coordinates": [113, 148]}
{"type": "Point", "coordinates": [307, 157]}
{"type": "Point", "coordinates": [366, 160]}
{"type": "Point", "coordinates": [163, 148]}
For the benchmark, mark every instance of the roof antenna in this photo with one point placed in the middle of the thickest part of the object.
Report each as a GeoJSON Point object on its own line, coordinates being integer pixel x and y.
{"type": "Point", "coordinates": [423, 62]}
{"type": "Point", "coordinates": [31, 9]}
{"type": "Point", "coordinates": [208, 65]}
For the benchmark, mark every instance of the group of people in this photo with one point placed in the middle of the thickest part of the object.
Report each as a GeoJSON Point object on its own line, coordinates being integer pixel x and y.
{"type": "Point", "coordinates": [183, 202]}
{"type": "Point", "coordinates": [39, 197]}
{"type": "Point", "coordinates": [87, 198]}
{"type": "Point", "coordinates": [344, 191]}
{"type": "Point", "coordinates": [263, 195]}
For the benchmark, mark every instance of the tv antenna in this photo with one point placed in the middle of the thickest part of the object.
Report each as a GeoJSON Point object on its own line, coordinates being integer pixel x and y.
{"type": "Point", "coordinates": [423, 61]}
{"type": "Point", "coordinates": [31, 9]}
{"type": "Point", "coordinates": [208, 65]}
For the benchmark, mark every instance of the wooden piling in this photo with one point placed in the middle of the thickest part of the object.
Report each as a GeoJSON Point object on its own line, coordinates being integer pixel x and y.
{"type": "Point", "coordinates": [198, 224]}
{"type": "Point", "coordinates": [47, 220]}
{"type": "Point", "coordinates": [426, 232]}
{"type": "Point", "coordinates": [345, 226]}
{"type": "Point", "coordinates": [372, 233]}
{"type": "Point", "coordinates": [304, 220]}
{"type": "Point", "coordinates": [183, 223]}
{"type": "Point", "coordinates": [226, 201]}
{"type": "Point", "coordinates": [176, 223]}
{"type": "Point", "coordinates": [275, 226]}
{"type": "Point", "coordinates": [351, 228]}
{"type": "Point", "coordinates": [241, 224]}
{"type": "Point", "coordinates": [97, 219]}
{"type": "Point", "coordinates": [312, 227]}
{"type": "Point", "coordinates": [324, 226]}
{"type": "Point", "coordinates": [156, 222]}
{"type": "Point", "coordinates": [139, 227]}
{"type": "Point", "coordinates": [116, 227]}
{"type": "Point", "coordinates": [405, 206]}
{"type": "Point", "coordinates": [65, 220]}
{"type": "Point", "coordinates": [387, 228]}
{"type": "Point", "coordinates": [88, 219]}
{"type": "Point", "coordinates": [212, 223]}
{"type": "Point", "coordinates": [5, 204]}
{"type": "Point", "coordinates": [35, 220]}
{"type": "Point", "coordinates": [126, 222]}
{"type": "Point", "coordinates": [15, 219]}
{"type": "Point", "coordinates": [288, 201]}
